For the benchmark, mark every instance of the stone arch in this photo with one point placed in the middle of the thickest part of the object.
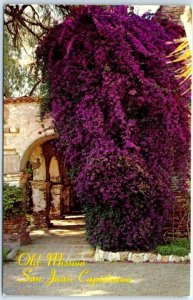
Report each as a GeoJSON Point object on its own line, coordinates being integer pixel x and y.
{"type": "Point", "coordinates": [32, 146]}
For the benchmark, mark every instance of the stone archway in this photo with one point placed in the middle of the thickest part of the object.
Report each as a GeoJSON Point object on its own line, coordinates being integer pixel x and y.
{"type": "Point", "coordinates": [38, 182]}
{"type": "Point", "coordinates": [51, 196]}
{"type": "Point", "coordinates": [30, 148]}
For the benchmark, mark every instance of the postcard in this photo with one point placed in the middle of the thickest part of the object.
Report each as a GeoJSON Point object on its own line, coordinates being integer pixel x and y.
{"type": "Point", "coordinates": [96, 191]}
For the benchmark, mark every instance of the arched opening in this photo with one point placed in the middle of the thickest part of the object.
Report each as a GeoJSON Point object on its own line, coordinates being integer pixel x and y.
{"type": "Point", "coordinates": [31, 147]}
{"type": "Point", "coordinates": [49, 190]}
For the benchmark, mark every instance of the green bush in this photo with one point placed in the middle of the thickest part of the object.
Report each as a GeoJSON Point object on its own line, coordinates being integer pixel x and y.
{"type": "Point", "coordinates": [179, 247]}
{"type": "Point", "coordinates": [12, 202]}
{"type": "Point", "coordinates": [4, 253]}
{"type": "Point", "coordinates": [185, 243]}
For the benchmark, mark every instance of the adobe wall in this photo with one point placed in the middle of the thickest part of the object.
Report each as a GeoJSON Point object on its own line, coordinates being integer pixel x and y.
{"type": "Point", "coordinates": [23, 131]}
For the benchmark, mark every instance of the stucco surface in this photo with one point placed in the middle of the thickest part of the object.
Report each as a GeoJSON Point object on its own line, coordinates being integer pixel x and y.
{"type": "Point", "coordinates": [23, 130]}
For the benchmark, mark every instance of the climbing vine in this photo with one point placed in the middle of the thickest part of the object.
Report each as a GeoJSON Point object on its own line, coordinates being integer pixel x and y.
{"type": "Point", "coordinates": [122, 120]}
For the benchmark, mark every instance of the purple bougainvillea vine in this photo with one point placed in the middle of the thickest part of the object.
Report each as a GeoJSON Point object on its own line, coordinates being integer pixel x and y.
{"type": "Point", "coordinates": [123, 123]}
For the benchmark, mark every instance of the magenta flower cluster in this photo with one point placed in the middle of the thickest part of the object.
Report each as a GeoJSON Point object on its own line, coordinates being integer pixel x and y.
{"type": "Point", "coordinates": [122, 120]}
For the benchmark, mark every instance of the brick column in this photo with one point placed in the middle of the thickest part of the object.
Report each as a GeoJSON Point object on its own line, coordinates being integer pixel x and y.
{"type": "Point", "coordinates": [55, 209]}
{"type": "Point", "coordinates": [40, 196]}
{"type": "Point", "coordinates": [15, 231]}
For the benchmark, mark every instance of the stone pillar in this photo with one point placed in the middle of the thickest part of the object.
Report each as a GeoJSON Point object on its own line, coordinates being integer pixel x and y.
{"type": "Point", "coordinates": [23, 180]}
{"type": "Point", "coordinates": [55, 209]}
{"type": "Point", "coordinates": [66, 200]}
{"type": "Point", "coordinates": [40, 196]}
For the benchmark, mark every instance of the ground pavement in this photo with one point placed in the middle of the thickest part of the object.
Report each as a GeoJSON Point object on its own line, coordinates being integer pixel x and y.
{"type": "Point", "coordinates": [67, 237]}
{"type": "Point", "coordinates": [38, 274]}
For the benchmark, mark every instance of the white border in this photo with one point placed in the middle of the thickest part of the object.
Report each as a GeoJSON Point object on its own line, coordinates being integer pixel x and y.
{"type": "Point", "coordinates": [83, 2]}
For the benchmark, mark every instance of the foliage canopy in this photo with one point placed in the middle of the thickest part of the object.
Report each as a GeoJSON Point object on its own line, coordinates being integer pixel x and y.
{"type": "Point", "coordinates": [24, 27]}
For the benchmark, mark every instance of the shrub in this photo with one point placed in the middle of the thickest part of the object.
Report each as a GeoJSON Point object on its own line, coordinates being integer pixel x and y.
{"type": "Point", "coordinates": [185, 243]}
{"type": "Point", "coordinates": [4, 253]}
{"type": "Point", "coordinates": [108, 223]}
{"type": "Point", "coordinates": [179, 247]}
{"type": "Point", "coordinates": [171, 250]}
{"type": "Point", "coordinates": [12, 202]}
{"type": "Point", "coordinates": [122, 119]}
